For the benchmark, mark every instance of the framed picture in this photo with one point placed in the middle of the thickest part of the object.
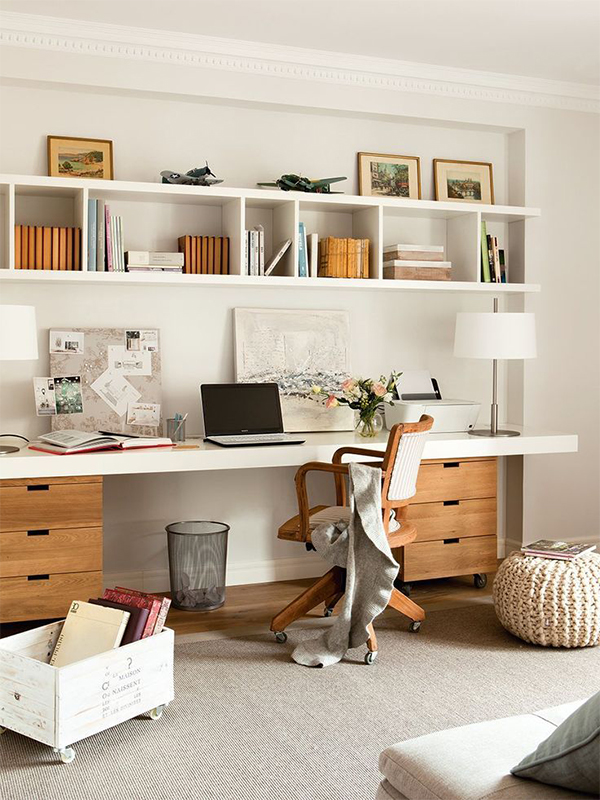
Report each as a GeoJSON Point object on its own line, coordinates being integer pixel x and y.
{"type": "Point", "coordinates": [463, 181]}
{"type": "Point", "coordinates": [71, 157]}
{"type": "Point", "coordinates": [381, 175]}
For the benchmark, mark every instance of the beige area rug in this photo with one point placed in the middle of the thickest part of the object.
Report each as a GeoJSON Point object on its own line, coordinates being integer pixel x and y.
{"type": "Point", "coordinates": [249, 724]}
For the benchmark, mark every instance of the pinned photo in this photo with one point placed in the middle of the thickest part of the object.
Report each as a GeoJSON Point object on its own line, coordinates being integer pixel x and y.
{"type": "Point", "coordinates": [69, 399]}
{"type": "Point", "coordinates": [129, 362]}
{"type": "Point", "coordinates": [115, 390]}
{"type": "Point", "coordinates": [142, 341]}
{"type": "Point", "coordinates": [71, 342]}
{"type": "Point", "coordinates": [144, 414]}
{"type": "Point", "coordinates": [45, 397]}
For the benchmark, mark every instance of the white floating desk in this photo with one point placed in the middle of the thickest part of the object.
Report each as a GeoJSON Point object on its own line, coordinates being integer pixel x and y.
{"type": "Point", "coordinates": [318, 447]}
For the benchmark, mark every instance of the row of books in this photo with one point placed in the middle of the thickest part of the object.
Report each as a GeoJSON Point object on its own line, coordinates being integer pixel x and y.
{"type": "Point", "coordinates": [204, 255]}
{"type": "Point", "coordinates": [41, 247]}
{"type": "Point", "coordinates": [343, 258]}
{"type": "Point", "coordinates": [106, 240]}
{"type": "Point", "coordinates": [493, 259]}
{"type": "Point", "coordinates": [254, 251]}
{"type": "Point", "coordinates": [121, 616]}
{"type": "Point", "coordinates": [564, 551]}
{"type": "Point", "coordinates": [416, 262]}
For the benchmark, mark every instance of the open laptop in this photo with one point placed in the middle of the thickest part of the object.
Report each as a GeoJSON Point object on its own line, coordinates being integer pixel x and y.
{"type": "Point", "coordinates": [242, 414]}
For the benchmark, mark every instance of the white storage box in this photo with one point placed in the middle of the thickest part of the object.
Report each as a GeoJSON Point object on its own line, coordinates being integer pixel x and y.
{"type": "Point", "coordinates": [61, 705]}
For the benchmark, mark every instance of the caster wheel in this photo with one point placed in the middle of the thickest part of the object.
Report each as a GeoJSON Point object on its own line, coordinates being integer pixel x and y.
{"type": "Point", "coordinates": [405, 589]}
{"type": "Point", "coordinates": [414, 626]}
{"type": "Point", "coordinates": [66, 754]}
{"type": "Point", "coordinates": [281, 637]}
{"type": "Point", "coordinates": [328, 612]}
{"type": "Point", "coordinates": [480, 580]}
{"type": "Point", "coordinates": [370, 657]}
{"type": "Point", "coordinates": [157, 712]}
{"type": "Point", "coordinates": [2, 730]}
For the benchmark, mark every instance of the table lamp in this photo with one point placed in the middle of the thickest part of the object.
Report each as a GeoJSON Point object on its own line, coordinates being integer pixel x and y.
{"type": "Point", "coordinates": [18, 342]}
{"type": "Point", "coordinates": [494, 336]}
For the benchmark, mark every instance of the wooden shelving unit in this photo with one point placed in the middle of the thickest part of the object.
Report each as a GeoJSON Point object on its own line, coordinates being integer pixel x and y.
{"type": "Point", "coordinates": [155, 215]}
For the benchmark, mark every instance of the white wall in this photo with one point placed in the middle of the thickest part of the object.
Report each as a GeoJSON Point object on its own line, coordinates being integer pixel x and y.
{"type": "Point", "coordinates": [246, 143]}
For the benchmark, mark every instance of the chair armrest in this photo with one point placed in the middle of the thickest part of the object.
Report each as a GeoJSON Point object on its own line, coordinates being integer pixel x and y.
{"type": "Point", "coordinates": [356, 451]}
{"type": "Point", "coordinates": [338, 470]}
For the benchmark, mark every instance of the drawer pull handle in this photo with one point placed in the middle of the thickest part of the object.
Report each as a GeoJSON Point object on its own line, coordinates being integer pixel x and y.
{"type": "Point", "coordinates": [43, 532]}
{"type": "Point", "coordinates": [451, 464]}
{"type": "Point", "coordinates": [40, 487]}
{"type": "Point", "coordinates": [38, 577]}
{"type": "Point", "coordinates": [451, 502]}
{"type": "Point", "coordinates": [451, 541]}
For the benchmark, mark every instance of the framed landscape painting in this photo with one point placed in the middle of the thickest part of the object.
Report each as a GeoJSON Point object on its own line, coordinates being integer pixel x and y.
{"type": "Point", "coordinates": [381, 175]}
{"type": "Point", "coordinates": [71, 157]}
{"type": "Point", "coordinates": [463, 181]}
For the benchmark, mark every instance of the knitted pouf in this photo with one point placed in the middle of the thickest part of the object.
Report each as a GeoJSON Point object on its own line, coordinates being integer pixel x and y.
{"type": "Point", "coordinates": [550, 601]}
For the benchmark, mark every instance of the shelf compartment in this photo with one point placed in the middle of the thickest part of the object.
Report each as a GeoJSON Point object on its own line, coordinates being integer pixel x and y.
{"type": "Point", "coordinates": [279, 218]}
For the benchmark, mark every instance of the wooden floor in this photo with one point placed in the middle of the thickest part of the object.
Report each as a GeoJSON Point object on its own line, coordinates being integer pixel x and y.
{"type": "Point", "coordinates": [250, 608]}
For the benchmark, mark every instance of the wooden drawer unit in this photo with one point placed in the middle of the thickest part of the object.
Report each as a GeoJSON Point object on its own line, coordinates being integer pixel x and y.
{"type": "Point", "coordinates": [452, 518]}
{"type": "Point", "coordinates": [456, 480]}
{"type": "Point", "coordinates": [50, 545]}
{"type": "Point", "coordinates": [46, 596]}
{"type": "Point", "coordinates": [447, 557]}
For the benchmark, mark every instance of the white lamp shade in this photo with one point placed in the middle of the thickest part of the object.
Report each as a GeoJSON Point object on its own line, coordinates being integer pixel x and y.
{"type": "Point", "coordinates": [18, 333]}
{"type": "Point", "coordinates": [495, 336]}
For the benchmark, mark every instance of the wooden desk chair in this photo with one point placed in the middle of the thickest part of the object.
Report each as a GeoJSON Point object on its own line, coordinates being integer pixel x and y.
{"type": "Point", "coordinates": [400, 466]}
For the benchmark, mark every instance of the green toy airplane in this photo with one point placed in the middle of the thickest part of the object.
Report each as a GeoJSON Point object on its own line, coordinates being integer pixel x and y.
{"type": "Point", "coordinates": [298, 183]}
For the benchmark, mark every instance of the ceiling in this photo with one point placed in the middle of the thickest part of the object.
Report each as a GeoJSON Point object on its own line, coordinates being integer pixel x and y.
{"type": "Point", "coordinates": [554, 39]}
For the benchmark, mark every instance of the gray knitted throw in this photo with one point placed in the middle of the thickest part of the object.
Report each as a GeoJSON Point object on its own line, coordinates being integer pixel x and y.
{"type": "Point", "coordinates": [360, 546]}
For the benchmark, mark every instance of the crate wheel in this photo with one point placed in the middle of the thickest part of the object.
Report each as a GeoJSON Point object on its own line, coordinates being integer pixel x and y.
{"type": "Point", "coordinates": [328, 611]}
{"type": "Point", "coordinates": [415, 626]}
{"type": "Point", "coordinates": [370, 657]}
{"type": "Point", "coordinates": [66, 754]}
{"type": "Point", "coordinates": [157, 712]}
{"type": "Point", "coordinates": [480, 580]}
{"type": "Point", "coordinates": [281, 637]}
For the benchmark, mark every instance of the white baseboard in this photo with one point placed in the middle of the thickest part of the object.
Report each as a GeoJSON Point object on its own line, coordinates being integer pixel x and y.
{"type": "Point", "coordinates": [280, 569]}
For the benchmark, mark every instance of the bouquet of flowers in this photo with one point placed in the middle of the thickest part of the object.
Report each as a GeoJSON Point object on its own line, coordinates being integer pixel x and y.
{"type": "Point", "coordinates": [365, 396]}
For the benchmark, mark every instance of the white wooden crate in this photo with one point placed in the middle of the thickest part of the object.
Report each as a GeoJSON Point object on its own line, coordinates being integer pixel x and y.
{"type": "Point", "coordinates": [61, 705]}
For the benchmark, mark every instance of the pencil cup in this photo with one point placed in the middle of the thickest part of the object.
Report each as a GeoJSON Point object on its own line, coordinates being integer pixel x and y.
{"type": "Point", "coordinates": [176, 429]}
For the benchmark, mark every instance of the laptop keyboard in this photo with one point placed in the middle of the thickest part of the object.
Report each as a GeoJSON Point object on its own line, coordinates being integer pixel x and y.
{"type": "Point", "coordinates": [256, 438]}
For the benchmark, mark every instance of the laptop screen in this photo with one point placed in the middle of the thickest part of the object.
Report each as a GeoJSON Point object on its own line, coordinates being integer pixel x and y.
{"type": "Point", "coordinates": [239, 408]}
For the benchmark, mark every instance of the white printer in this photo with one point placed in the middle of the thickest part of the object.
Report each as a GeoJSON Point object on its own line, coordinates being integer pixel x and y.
{"type": "Point", "coordinates": [418, 394]}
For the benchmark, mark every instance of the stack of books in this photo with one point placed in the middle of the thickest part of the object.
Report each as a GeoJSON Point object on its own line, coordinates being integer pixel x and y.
{"type": "Point", "coordinates": [119, 617]}
{"type": "Point", "coordinates": [254, 251]}
{"type": "Point", "coordinates": [148, 261]}
{"type": "Point", "coordinates": [343, 258]}
{"type": "Point", "coordinates": [565, 551]}
{"type": "Point", "coordinates": [416, 262]}
{"type": "Point", "coordinates": [493, 259]}
{"type": "Point", "coordinates": [106, 242]}
{"type": "Point", "coordinates": [40, 247]}
{"type": "Point", "coordinates": [204, 255]}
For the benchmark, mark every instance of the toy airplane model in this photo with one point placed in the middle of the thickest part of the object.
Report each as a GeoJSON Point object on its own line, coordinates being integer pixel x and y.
{"type": "Point", "coordinates": [298, 183]}
{"type": "Point", "coordinates": [201, 176]}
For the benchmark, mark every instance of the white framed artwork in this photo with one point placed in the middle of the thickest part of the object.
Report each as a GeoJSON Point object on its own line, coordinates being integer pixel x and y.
{"type": "Point", "coordinates": [296, 349]}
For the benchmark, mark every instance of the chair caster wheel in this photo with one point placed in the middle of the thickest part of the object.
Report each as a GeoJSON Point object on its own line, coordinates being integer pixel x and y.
{"type": "Point", "coordinates": [328, 612]}
{"type": "Point", "coordinates": [66, 754]}
{"type": "Point", "coordinates": [281, 637]}
{"type": "Point", "coordinates": [406, 589]}
{"type": "Point", "coordinates": [415, 626]}
{"type": "Point", "coordinates": [370, 657]}
{"type": "Point", "coordinates": [157, 712]}
{"type": "Point", "coordinates": [480, 580]}
{"type": "Point", "coordinates": [2, 730]}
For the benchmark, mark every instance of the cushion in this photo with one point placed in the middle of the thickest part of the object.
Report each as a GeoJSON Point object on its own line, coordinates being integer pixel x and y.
{"type": "Point", "coordinates": [570, 756]}
{"type": "Point", "coordinates": [472, 762]}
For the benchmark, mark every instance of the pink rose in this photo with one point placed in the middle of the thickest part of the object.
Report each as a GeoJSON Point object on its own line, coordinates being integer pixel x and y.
{"type": "Point", "coordinates": [349, 384]}
{"type": "Point", "coordinates": [331, 401]}
{"type": "Point", "coordinates": [379, 389]}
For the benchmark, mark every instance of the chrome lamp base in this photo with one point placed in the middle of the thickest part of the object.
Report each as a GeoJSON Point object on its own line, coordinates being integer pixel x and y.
{"type": "Point", "coordinates": [5, 449]}
{"type": "Point", "coordinates": [492, 434]}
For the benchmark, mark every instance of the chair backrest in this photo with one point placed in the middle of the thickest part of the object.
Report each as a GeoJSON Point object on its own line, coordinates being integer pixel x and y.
{"type": "Point", "coordinates": [403, 459]}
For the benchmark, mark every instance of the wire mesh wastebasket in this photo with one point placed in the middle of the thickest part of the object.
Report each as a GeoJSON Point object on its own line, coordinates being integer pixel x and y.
{"type": "Point", "coordinates": [197, 563]}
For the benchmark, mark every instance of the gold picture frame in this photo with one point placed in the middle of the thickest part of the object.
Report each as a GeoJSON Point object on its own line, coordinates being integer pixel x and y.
{"type": "Point", "coordinates": [78, 157]}
{"type": "Point", "coordinates": [455, 183]}
{"type": "Point", "coordinates": [385, 175]}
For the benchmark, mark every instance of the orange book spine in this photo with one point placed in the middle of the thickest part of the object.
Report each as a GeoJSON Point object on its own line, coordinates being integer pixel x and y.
{"type": "Point", "coordinates": [39, 241]}
{"type": "Point", "coordinates": [194, 268]}
{"type": "Point", "coordinates": [198, 241]}
{"type": "Point", "coordinates": [55, 253]}
{"type": "Point", "coordinates": [31, 247]}
{"type": "Point", "coordinates": [24, 247]}
{"type": "Point", "coordinates": [77, 249]}
{"type": "Point", "coordinates": [62, 248]}
{"type": "Point", "coordinates": [205, 255]}
{"type": "Point", "coordinates": [225, 256]}
{"type": "Point", "coordinates": [218, 255]}
{"type": "Point", "coordinates": [211, 255]}
{"type": "Point", "coordinates": [17, 246]}
{"type": "Point", "coordinates": [69, 248]}
{"type": "Point", "coordinates": [47, 249]}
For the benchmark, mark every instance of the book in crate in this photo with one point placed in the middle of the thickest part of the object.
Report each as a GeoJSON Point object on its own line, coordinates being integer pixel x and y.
{"type": "Point", "coordinates": [42, 247]}
{"type": "Point", "coordinates": [343, 258]}
{"type": "Point", "coordinates": [204, 255]}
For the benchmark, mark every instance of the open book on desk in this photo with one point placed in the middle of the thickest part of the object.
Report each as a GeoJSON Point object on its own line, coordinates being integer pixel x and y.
{"type": "Point", "coordinates": [69, 442]}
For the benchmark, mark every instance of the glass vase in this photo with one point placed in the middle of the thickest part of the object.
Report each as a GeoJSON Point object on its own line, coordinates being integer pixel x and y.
{"type": "Point", "coordinates": [370, 425]}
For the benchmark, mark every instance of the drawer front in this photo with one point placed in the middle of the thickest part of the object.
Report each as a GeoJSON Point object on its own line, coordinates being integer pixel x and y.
{"type": "Point", "coordinates": [456, 480]}
{"type": "Point", "coordinates": [50, 505]}
{"type": "Point", "coordinates": [50, 550]}
{"type": "Point", "coordinates": [46, 598]}
{"type": "Point", "coordinates": [453, 518]}
{"type": "Point", "coordinates": [442, 559]}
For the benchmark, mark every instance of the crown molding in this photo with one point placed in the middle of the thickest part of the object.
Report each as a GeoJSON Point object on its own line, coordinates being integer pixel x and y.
{"type": "Point", "coordinates": [276, 61]}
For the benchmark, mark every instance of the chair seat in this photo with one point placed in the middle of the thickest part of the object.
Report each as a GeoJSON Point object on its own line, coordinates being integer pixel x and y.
{"type": "Point", "coordinates": [290, 530]}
